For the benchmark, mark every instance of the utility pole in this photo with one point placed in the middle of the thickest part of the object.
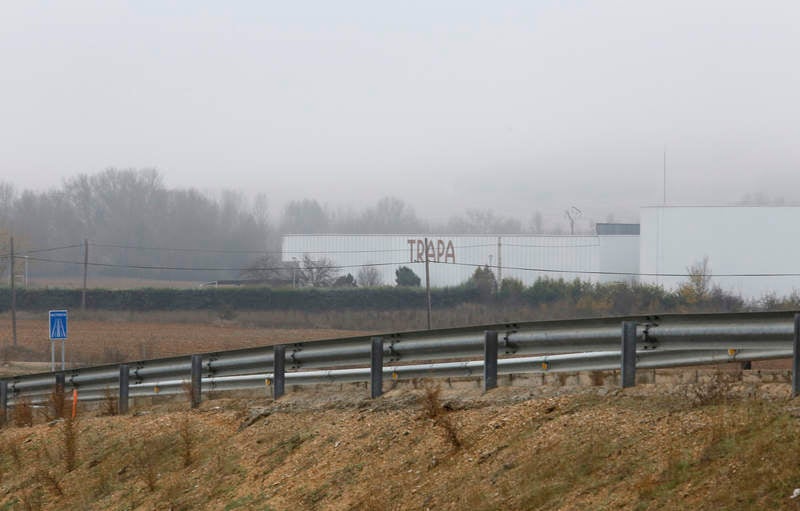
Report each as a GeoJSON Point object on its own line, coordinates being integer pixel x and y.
{"type": "Point", "coordinates": [13, 295]}
{"type": "Point", "coordinates": [85, 271]}
{"type": "Point", "coordinates": [428, 281]}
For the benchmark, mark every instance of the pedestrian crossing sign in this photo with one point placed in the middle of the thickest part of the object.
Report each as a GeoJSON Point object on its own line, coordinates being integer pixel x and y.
{"type": "Point", "coordinates": [58, 325]}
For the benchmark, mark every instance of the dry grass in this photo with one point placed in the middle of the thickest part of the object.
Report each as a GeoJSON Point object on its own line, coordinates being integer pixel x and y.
{"type": "Point", "coordinates": [634, 450]}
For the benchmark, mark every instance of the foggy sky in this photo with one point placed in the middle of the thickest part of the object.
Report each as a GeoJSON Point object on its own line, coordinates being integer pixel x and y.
{"type": "Point", "coordinates": [449, 105]}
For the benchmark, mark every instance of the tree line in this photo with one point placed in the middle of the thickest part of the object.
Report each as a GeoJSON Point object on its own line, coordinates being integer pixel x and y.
{"type": "Point", "coordinates": [134, 220]}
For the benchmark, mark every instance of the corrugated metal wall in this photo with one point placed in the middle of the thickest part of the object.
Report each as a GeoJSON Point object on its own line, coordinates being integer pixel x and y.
{"type": "Point", "coordinates": [454, 258]}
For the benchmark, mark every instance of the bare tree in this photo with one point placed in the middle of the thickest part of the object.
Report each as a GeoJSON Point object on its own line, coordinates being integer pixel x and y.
{"type": "Point", "coordinates": [316, 272]}
{"type": "Point", "coordinates": [698, 286]}
{"type": "Point", "coordinates": [369, 276]}
{"type": "Point", "coordinates": [270, 270]}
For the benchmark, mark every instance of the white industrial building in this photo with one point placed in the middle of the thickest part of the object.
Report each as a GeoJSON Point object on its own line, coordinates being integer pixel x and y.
{"type": "Point", "coordinates": [752, 251]}
{"type": "Point", "coordinates": [453, 258]}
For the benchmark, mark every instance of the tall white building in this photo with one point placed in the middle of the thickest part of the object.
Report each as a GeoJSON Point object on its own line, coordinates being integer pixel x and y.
{"type": "Point", "coordinates": [742, 244]}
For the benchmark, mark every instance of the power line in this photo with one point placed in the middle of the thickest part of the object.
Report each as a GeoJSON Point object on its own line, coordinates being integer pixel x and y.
{"type": "Point", "coordinates": [405, 263]}
{"type": "Point", "coordinates": [506, 244]}
{"type": "Point", "coordinates": [265, 252]}
{"type": "Point", "coordinates": [171, 249]}
{"type": "Point", "coordinates": [40, 250]}
{"type": "Point", "coordinates": [194, 268]}
{"type": "Point", "coordinates": [627, 274]}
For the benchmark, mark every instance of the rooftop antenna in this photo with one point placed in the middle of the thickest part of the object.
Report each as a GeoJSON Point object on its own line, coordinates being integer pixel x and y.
{"type": "Point", "coordinates": [572, 214]}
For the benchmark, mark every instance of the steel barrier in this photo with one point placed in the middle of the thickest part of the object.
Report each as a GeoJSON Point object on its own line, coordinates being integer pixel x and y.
{"type": "Point", "coordinates": [597, 344]}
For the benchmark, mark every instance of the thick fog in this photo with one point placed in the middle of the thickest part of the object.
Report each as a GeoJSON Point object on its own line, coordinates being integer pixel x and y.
{"type": "Point", "coordinates": [513, 106]}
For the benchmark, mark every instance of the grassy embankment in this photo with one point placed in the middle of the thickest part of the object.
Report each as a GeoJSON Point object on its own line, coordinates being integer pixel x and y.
{"type": "Point", "coordinates": [714, 446]}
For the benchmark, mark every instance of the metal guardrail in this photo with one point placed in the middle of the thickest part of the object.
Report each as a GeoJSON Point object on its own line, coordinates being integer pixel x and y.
{"type": "Point", "coordinates": [622, 343]}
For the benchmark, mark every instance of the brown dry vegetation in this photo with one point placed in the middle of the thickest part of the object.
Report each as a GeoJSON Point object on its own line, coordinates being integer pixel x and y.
{"type": "Point", "coordinates": [96, 337]}
{"type": "Point", "coordinates": [650, 447]}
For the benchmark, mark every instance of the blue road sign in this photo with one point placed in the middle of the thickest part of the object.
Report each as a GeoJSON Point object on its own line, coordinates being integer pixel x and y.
{"type": "Point", "coordinates": [58, 325]}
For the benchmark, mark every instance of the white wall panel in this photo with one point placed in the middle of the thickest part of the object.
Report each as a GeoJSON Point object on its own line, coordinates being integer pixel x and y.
{"type": "Point", "coordinates": [453, 258]}
{"type": "Point", "coordinates": [736, 240]}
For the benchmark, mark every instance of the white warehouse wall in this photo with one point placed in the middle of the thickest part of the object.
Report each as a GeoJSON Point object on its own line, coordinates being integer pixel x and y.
{"type": "Point", "coordinates": [522, 257]}
{"type": "Point", "coordinates": [619, 256]}
{"type": "Point", "coordinates": [736, 240]}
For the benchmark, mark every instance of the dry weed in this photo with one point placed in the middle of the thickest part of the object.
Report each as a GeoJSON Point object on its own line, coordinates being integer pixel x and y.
{"type": "Point", "coordinates": [49, 480]}
{"type": "Point", "coordinates": [432, 406]}
{"type": "Point", "coordinates": [711, 392]}
{"type": "Point", "coordinates": [69, 437]}
{"type": "Point", "coordinates": [597, 378]}
{"type": "Point", "coordinates": [23, 412]}
{"type": "Point", "coordinates": [32, 500]}
{"type": "Point", "coordinates": [56, 404]}
{"type": "Point", "coordinates": [188, 441]}
{"type": "Point", "coordinates": [11, 447]}
{"type": "Point", "coordinates": [109, 405]}
{"type": "Point", "coordinates": [186, 387]}
{"type": "Point", "coordinates": [148, 455]}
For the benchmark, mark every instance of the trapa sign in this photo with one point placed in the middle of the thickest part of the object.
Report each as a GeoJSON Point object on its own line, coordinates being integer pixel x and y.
{"type": "Point", "coordinates": [58, 325]}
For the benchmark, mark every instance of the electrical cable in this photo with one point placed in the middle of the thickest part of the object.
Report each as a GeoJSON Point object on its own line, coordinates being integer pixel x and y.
{"type": "Point", "coordinates": [404, 263]}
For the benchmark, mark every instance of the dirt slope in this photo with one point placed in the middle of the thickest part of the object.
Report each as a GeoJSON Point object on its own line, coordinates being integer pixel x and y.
{"type": "Point", "coordinates": [652, 447]}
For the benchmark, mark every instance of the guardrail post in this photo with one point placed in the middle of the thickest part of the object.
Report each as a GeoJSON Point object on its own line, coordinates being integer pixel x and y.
{"type": "Point", "coordinates": [197, 377]}
{"type": "Point", "coordinates": [796, 357]}
{"type": "Point", "coordinates": [59, 395]}
{"type": "Point", "coordinates": [124, 376]}
{"type": "Point", "coordinates": [489, 360]}
{"type": "Point", "coordinates": [3, 402]}
{"type": "Point", "coordinates": [61, 380]}
{"type": "Point", "coordinates": [628, 359]}
{"type": "Point", "coordinates": [376, 368]}
{"type": "Point", "coordinates": [278, 371]}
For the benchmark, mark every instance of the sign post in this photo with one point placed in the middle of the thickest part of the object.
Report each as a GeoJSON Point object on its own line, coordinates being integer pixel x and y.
{"type": "Point", "coordinates": [58, 330]}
